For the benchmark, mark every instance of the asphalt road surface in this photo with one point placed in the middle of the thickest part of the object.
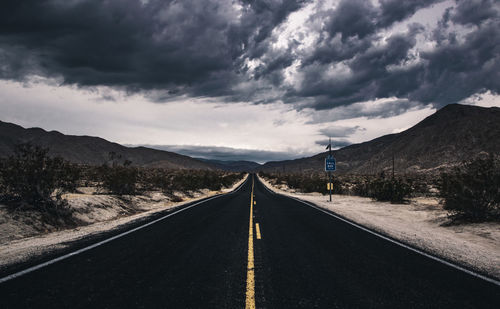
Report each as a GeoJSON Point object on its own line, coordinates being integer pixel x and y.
{"type": "Point", "coordinates": [215, 255]}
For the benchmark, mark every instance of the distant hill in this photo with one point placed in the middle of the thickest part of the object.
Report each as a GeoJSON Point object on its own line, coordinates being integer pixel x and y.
{"type": "Point", "coordinates": [446, 138]}
{"type": "Point", "coordinates": [91, 150]}
{"type": "Point", "coordinates": [233, 166]}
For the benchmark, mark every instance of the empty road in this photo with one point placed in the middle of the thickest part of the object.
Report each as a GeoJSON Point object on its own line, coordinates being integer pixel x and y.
{"type": "Point", "coordinates": [250, 248]}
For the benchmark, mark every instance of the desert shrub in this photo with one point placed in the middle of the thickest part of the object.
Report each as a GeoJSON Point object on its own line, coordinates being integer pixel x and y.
{"type": "Point", "coordinates": [189, 181]}
{"type": "Point", "coordinates": [169, 181]}
{"type": "Point", "coordinates": [472, 191]}
{"type": "Point", "coordinates": [69, 176]}
{"type": "Point", "coordinates": [229, 179]}
{"type": "Point", "coordinates": [424, 185]}
{"type": "Point", "coordinates": [176, 199]}
{"type": "Point", "coordinates": [152, 179]}
{"type": "Point", "coordinates": [381, 188]}
{"type": "Point", "coordinates": [118, 178]}
{"type": "Point", "coordinates": [362, 188]}
{"type": "Point", "coordinates": [32, 176]}
{"type": "Point", "coordinates": [196, 180]}
{"type": "Point", "coordinates": [30, 179]}
{"type": "Point", "coordinates": [307, 183]}
{"type": "Point", "coordinates": [394, 190]}
{"type": "Point", "coordinates": [89, 175]}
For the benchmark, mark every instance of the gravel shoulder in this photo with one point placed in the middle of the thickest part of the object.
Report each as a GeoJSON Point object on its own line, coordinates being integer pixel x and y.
{"type": "Point", "coordinates": [422, 223]}
{"type": "Point", "coordinates": [23, 236]}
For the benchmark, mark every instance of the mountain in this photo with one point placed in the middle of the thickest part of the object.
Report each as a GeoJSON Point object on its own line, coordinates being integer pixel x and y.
{"type": "Point", "coordinates": [451, 135]}
{"type": "Point", "coordinates": [91, 150]}
{"type": "Point", "coordinates": [233, 166]}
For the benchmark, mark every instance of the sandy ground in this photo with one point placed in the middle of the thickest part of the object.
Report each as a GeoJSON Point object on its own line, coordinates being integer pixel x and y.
{"type": "Point", "coordinates": [422, 223]}
{"type": "Point", "coordinates": [23, 237]}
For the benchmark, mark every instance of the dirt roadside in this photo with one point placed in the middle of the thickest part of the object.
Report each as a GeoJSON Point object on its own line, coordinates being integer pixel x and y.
{"type": "Point", "coordinates": [23, 237]}
{"type": "Point", "coordinates": [422, 224]}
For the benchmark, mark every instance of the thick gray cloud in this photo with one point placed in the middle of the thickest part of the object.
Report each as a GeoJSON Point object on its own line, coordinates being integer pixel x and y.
{"type": "Point", "coordinates": [203, 49]}
{"type": "Point", "coordinates": [475, 11]}
{"type": "Point", "coordinates": [339, 131]}
{"type": "Point", "coordinates": [396, 10]}
{"type": "Point", "coordinates": [357, 22]}
{"type": "Point", "coordinates": [455, 70]}
{"type": "Point", "coordinates": [187, 46]}
{"type": "Point", "coordinates": [380, 110]}
{"type": "Point", "coordinates": [353, 18]}
{"type": "Point", "coordinates": [370, 78]}
{"type": "Point", "coordinates": [360, 18]}
{"type": "Point", "coordinates": [336, 143]}
{"type": "Point", "coordinates": [459, 66]}
{"type": "Point", "coordinates": [339, 134]}
{"type": "Point", "coordinates": [228, 153]}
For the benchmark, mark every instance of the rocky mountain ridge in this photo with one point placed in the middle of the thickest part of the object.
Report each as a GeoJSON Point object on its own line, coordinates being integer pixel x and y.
{"type": "Point", "coordinates": [448, 137]}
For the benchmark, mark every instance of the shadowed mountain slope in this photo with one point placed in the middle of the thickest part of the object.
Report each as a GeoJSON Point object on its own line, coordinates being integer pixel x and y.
{"type": "Point", "coordinates": [91, 150]}
{"type": "Point", "coordinates": [451, 135]}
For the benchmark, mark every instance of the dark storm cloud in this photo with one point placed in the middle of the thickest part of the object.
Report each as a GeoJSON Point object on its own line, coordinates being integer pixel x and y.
{"type": "Point", "coordinates": [187, 46]}
{"type": "Point", "coordinates": [339, 131]}
{"type": "Point", "coordinates": [381, 110]}
{"type": "Point", "coordinates": [116, 43]}
{"type": "Point", "coordinates": [369, 78]}
{"type": "Point", "coordinates": [397, 10]}
{"type": "Point", "coordinates": [458, 70]}
{"type": "Point", "coordinates": [357, 22]}
{"type": "Point", "coordinates": [454, 70]}
{"type": "Point", "coordinates": [353, 18]}
{"type": "Point", "coordinates": [474, 11]}
{"type": "Point", "coordinates": [229, 154]}
{"type": "Point", "coordinates": [202, 48]}
{"type": "Point", "coordinates": [360, 18]}
{"type": "Point", "coordinates": [259, 20]}
{"type": "Point", "coordinates": [336, 143]}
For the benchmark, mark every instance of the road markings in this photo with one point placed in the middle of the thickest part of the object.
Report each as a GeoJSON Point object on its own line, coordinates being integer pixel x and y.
{"type": "Point", "coordinates": [435, 258]}
{"type": "Point", "coordinates": [250, 293]}
{"type": "Point", "coordinates": [257, 229]}
{"type": "Point", "coordinates": [68, 255]}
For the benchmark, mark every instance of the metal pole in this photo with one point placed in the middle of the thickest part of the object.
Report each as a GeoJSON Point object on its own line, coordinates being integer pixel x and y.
{"type": "Point", "coordinates": [330, 184]}
{"type": "Point", "coordinates": [330, 173]}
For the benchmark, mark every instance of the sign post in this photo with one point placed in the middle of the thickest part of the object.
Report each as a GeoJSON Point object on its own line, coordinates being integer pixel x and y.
{"type": "Point", "coordinates": [330, 166]}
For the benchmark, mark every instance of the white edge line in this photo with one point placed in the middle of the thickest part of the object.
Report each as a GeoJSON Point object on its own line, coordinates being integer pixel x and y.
{"type": "Point", "coordinates": [435, 258]}
{"type": "Point", "coordinates": [102, 242]}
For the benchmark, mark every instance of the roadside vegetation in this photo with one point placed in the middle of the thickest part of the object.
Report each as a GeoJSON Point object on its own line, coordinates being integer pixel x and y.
{"type": "Point", "coordinates": [31, 180]}
{"type": "Point", "coordinates": [472, 191]}
{"type": "Point", "coordinates": [469, 192]}
{"type": "Point", "coordinates": [392, 189]}
{"type": "Point", "coordinates": [119, 177]}
{"type": "Point", "coordinates": [181, 180]}
{"type": "Point", "coordinates": [380, 187]}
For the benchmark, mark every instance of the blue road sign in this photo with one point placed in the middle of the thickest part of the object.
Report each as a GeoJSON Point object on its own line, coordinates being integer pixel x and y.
{"type": "Point", "coordinates": [330, 164]}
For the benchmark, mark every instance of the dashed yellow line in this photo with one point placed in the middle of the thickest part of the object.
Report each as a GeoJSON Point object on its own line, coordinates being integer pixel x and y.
{"type": "Point", "coordinates": [250, 293]}
{"type": "Point", "coordinates": [257, 230]}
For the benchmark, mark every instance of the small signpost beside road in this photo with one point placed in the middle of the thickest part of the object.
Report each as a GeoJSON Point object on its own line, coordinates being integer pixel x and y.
{"type": "Point", "coordinates": [330, 166]}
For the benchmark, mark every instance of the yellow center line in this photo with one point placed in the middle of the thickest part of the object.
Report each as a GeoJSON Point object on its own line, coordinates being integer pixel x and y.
{"type": "Point", "coordinates": [250, 295]}
{"type": "Point", "coordinates": [257, 230]}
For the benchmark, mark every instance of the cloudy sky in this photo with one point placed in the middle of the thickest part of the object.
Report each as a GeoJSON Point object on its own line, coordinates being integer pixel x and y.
{"type": "Point", "coordinates": [229, 79]}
